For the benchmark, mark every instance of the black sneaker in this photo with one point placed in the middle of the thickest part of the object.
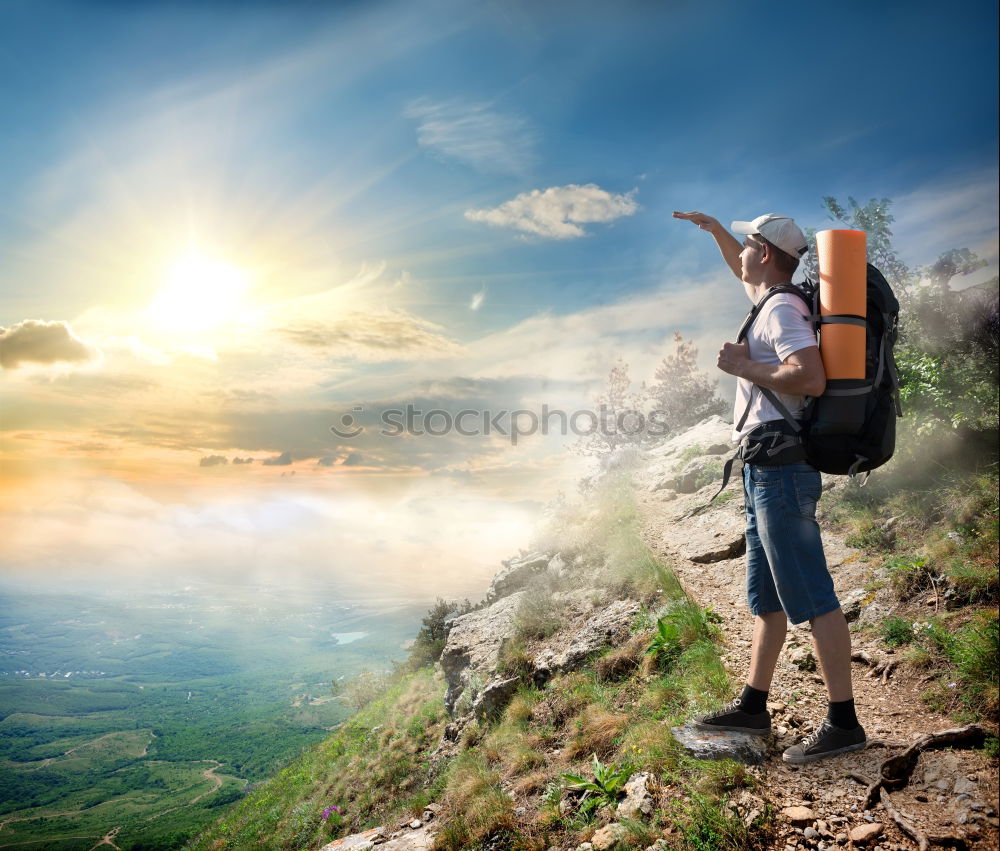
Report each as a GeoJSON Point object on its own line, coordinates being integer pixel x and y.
{"type": "Point", "coordinates": [734, 719]}
{"type": "Point", "coordinates": [828, 740]}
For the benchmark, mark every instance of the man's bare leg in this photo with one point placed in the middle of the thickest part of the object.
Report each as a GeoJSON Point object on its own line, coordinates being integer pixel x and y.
{"type": "Point", "coordinates": [768, 638]}
{"type": "Point", "coordinates": [832, 642]}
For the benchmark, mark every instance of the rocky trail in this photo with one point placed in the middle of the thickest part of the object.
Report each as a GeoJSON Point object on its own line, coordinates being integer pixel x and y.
{"type": "Point", "coordinates": [951, 795]}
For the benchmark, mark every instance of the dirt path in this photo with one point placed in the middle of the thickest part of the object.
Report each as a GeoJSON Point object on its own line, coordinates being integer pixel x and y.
{"type": "Point", "coordinates": [209, 774]}
{"type": "Point", "coordinates": [108, 839]}
{"type": "Point", "coordinates": [953, 792]}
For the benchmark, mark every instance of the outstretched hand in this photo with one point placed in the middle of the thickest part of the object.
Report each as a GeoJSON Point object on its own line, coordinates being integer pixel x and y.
{"type": "Point", "coordinates": [703, 221]}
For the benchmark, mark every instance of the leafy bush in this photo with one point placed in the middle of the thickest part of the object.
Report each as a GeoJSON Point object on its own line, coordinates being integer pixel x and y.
{"type": "Point", "coordinates": [607, 787]}
{"type": "Point", "coordinates": [430, 640]}
{"type": "Point", "coordinates": [896, 632]}
{"type": "Point", "coordinates": [683, 624]}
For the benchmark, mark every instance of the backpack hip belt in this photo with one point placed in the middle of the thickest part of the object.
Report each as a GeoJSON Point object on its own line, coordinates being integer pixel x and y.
{"type": "Point", "coordinates": [772, 443]}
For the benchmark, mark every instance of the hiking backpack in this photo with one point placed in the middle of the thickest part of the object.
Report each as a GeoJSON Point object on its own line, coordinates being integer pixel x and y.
{"type": "Point", "coordinates": [851, 427]}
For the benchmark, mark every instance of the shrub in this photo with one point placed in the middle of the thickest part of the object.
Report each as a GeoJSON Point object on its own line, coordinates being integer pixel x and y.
{"type": "Point", "coordinates": [537, 616]}
{"type": "Point", "coordinates": [683, 624]}
{"type": "Point", "coordinates": [908, 575]}
{"type": "Point", "coordinates": [896, 631]}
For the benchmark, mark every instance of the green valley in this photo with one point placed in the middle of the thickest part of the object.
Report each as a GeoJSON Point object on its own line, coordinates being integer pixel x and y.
{"type": "Point", "coordinates": [137, 715]}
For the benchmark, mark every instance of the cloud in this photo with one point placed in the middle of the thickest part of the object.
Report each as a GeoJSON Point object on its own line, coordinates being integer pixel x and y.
{"type": "Point", "coordinates": [242, 460]}
{"type": "Point", "coordinates": [39, 341]}
{"type": "Point", "coordinates": [389, 335]}
{"type": "Point", "coordinates": [355, 459]}
{"type": "Point", "coordinates": [558, 212]}
{"type": "Point", "coordinates": [478, 299]}
{"type": "Point", "coordinates": [961, 212]}
{"type": "Point", "coordinates": [213, 461]}
{"type": "Point", "coordinates": [282, 460]}
{"type": "Point", "coordinates": [474, 134]}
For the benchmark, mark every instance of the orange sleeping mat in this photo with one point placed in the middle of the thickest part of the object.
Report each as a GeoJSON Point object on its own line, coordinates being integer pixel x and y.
{"type": "Point", "coordinates": [842, 256]}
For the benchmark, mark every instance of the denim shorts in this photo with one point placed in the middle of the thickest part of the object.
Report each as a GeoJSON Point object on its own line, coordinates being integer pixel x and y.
{"type": "Point", "coordinates": [786, 566]}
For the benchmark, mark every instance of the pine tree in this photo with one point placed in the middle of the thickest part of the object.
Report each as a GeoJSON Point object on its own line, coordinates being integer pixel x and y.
{"type": "Point", "coordinates": [684, 394]}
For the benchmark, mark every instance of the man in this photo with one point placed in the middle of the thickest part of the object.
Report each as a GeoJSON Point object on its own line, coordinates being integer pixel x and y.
{"type": "Point", "coordinates": [787, 577]}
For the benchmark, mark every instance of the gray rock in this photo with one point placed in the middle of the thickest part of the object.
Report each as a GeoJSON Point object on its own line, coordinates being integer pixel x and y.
{"type": "Point", "coordinates": [714, 433]}
{"type": "Point", "coordinates": [610, 625]}
{"type": "Point", "coordinates": [709, 744]}
{"type": "Point", "coordinates": [623, 458]}
{"type": "Point", "coordinates": [963, 785]}
{"type": "Point", "coordinates": [709, 537]}
{"type": "Point", "coordinates": [696, 475]}
{"type": "Point", "coordinates": [608, 836]}
{"type": "Point", "coordinates": [473, 645]}
{"type": "Point", "coordinates": [557, 567]}
{"type": "Point", "coordinates": [494, 697]}
{"type": "Point", "coordinates": [638, 798]}
{"type": "Point", "coordinates": [802, 658]}
{"type": "Point", "coordinates": [516, 573]}
{"type": "Point", "coordinates": [810, 833]}
{"type": "Point", "coordinates": [364, 841]}
{"type": "Point", "coordinates": [852, 604]}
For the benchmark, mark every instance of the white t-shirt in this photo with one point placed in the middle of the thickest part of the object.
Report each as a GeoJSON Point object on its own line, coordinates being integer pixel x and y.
{"type": "Point", "coordinates": [780, 329]}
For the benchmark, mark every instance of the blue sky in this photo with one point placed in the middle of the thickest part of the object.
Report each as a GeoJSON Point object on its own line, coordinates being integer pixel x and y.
{"type": "Point", "coordinates": [466, 204]}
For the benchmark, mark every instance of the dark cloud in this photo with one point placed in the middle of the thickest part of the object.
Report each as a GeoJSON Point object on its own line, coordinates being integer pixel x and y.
{"type": "Point", "coordinates": [212, 461]}
{"type": "Point", "coordinates": [242, 460]}
{"type": "Point", "coordinates": [282, 460]}
{"type": "Point", "coordinates": [40, 341]}
{"type": "Point", "coordinates": [326, 461]}
{"type": "Point", "coordinates": [354, 459]}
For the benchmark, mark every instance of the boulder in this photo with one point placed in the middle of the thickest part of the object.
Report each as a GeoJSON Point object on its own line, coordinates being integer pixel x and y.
{"type": "Point", "coordinates": [610, 625]}
{"type": "Point", "coordinates": [473, 644]}
{"type": "Point", "coordinates": [608, 836]}
{"type": "Point", "coordinates": [721, 744]}
{"type": "Point", "coordinates": [709, 537]}
{"type": "Point", "coordinates": [356, 841]}
{"type": "Point", "coordinates": [494, 697]}
{"type": "Point", "coordinates": [638, 798]}
{"type": "Point", "coordinates": [696, 475]}
{"type": "Point", "coordinates": [516, 573]}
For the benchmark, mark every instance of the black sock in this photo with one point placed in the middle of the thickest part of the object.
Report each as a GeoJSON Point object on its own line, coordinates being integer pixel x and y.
{"type": "Point", "coordinates": [841, 714]}
{"type": "Point", "coordinates": [753, 700]}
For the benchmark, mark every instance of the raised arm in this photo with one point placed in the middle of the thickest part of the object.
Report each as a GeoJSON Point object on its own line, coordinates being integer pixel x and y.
{"type": "Point", "coordinates": [728, 244]}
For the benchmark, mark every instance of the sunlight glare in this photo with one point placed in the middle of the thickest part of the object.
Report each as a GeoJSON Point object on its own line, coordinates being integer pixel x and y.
{"type": "Point", "coordinates": [201, 293]}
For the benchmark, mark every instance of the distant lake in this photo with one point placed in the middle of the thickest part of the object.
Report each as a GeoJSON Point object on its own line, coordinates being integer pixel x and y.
{"type": "Point", "coordinates": [348, 637]}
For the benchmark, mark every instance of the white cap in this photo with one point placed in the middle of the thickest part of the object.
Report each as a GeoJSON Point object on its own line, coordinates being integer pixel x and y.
{"type": "Point", "coordinates": [780, 231]}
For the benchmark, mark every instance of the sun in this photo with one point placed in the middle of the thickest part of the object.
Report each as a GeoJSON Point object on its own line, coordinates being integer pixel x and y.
{"type": "Point", "coordinates": [200, 293]}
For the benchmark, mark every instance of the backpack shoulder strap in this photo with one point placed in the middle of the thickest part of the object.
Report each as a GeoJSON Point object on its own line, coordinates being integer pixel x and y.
{"type": "Point", "coordinates": [756, 309]}
{"type": "Point", "coordinates": [790, 289]}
